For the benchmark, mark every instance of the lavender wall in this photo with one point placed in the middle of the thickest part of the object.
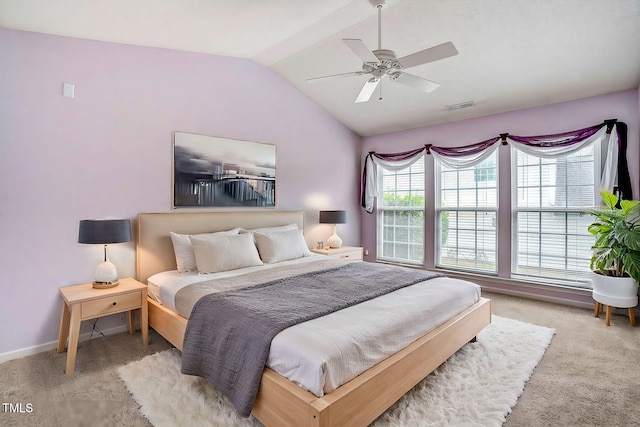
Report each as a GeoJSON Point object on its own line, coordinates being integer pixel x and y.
{"type": "Point", "coordinates": [107, 153]}
{"type": "Point", "coordinates": [625, 106]}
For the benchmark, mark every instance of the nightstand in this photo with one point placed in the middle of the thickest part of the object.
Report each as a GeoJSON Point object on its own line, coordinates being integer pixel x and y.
{"type": "Point", "coordinates": [82, 302]}
{"type": "Point", "coordinates": [343, 252]}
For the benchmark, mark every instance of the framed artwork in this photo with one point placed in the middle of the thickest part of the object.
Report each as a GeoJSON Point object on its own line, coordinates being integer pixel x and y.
{"type": "Point", "coordinates": [210, 171]}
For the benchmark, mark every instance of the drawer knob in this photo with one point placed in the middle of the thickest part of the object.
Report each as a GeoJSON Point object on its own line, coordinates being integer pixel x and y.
{"type": "Point", "coordinates": [114, 303]}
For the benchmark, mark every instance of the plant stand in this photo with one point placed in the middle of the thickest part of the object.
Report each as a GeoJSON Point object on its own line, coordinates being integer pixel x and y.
{"type": "Point", "coordinates": [598, 309]}
{"type": "Point", "coordinates": [620, 292]}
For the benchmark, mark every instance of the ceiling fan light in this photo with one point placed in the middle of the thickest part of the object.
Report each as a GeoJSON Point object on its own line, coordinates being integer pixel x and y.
{"type": "Point", "coordinates": [378, 3]}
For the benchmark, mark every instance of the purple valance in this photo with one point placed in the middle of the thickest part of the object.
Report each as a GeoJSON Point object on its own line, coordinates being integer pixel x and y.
{"type": "Point", "coordinates": [390, 161]}
{"type": "Point", "coordinates": [464, 151]}
{"type": "Point", "coordinates": [397, 157]}
{"type": "Point", "coordinates": [624, 180]}
{"type": "Point", "coordinates": [559, 139]}
{"type": "Point", "coordinates": [553, 145]}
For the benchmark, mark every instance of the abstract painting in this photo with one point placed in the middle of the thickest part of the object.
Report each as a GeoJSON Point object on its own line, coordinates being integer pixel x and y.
{"type": "Point", "coordinates": [210, 171]}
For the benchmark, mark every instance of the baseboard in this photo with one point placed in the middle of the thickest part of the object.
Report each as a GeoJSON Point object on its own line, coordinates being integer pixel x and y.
{"type": "Point", "coordinates": [29, 351]}
{"type": "Point", "coordinates": [575, 297]}
{"type": "Point", "coordinates": [538, 297]}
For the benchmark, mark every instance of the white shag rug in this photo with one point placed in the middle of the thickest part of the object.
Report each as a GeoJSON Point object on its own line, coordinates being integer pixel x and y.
{"type": "Point", "coordinates": [476, 386]}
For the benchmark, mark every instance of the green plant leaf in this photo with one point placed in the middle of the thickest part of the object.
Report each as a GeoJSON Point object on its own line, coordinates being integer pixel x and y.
{"type": "Point", "coordinates": [628, 206]}
{"type": "Point", "coordinates": [616, 251]}
{"type": "Point", "coordinates": [630, 238]}
{"type": "Point", "coordinates": [609, 199]}
{"type": "Point", "coordinates": [632, 264]}
{"type": "Point", "coordinates": [599, 228]}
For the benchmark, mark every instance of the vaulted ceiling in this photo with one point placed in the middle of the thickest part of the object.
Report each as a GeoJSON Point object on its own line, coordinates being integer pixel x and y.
{"type": "Point", "coordinates": [512, 54]}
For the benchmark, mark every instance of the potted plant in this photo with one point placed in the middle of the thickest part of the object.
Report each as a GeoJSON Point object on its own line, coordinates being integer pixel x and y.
{"type": "Point", "coordinates": [616, 253]}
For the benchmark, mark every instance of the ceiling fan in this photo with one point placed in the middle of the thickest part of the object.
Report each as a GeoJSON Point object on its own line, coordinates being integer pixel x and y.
{"type": "Point", "coordinates": [383, 62]}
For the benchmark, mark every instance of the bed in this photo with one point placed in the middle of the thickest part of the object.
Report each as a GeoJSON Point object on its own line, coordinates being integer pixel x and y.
{"type": "Point", "coordinates": [280, 401]}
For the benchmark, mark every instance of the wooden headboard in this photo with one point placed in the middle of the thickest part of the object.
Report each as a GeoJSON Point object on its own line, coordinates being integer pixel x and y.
{"type": "Point", "coordinates": [154, 250]}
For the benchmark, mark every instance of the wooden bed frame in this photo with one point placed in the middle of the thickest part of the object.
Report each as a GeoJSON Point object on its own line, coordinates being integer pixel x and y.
{"type": "Point", "coordinates": [281, 402]}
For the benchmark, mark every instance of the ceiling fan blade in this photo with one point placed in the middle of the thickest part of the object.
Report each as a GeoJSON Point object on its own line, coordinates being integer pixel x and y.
{"type": "Point", "coordinates": [353, 73]}
{"type": "Point", "coordinates": [359, 48]}
{"type": "Point", "coordinates": [416, 82]}
{"type": "Point", "coordinates": [434, 53]}
{"type": "Point", "coordinates": [368, 89]}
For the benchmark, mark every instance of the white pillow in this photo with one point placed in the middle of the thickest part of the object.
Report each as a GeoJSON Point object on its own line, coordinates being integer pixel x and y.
{"type": "Point", "coordinates": [271, 229]}
{"type": "Point", "coordinates": [281, 245]}
{"type": "Point", "coordinates": [185, 259]}
{"type": "Point", "coordinates": [216, 253]}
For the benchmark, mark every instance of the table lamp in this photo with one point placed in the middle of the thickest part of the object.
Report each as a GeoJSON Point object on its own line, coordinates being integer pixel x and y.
{"type": "Point", "coordinates": [104, 232]}
{"type": "Point", "coordinates": [333, 217]}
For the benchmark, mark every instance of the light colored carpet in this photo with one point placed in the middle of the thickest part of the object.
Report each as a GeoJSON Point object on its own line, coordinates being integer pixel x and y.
{"type": "Point", "coordinates": [477, 386]}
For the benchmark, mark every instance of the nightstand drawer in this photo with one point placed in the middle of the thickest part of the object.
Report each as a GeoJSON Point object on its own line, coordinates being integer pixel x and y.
{"type": "Point", "coordinates": [114, 304]}
{"type": "Point", "coordinates": [349, 255]}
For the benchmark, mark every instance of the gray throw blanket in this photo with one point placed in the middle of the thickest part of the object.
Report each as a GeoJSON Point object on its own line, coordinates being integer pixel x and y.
{"type": "Point", "coordinates": [229, 334]}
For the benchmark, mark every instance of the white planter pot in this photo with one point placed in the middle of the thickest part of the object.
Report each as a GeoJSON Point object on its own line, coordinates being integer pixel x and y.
{"type": "Point", "coordinates": [621, 292]}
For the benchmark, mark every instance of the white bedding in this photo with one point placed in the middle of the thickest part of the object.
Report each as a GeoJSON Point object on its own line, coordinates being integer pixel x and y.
{"type": "Point", "coordinates": [164, 286]}
{"type": "Point", "coordinates": [324, 353]}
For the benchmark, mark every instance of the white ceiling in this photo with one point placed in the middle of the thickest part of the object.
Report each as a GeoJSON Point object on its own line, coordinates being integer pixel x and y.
{"type": "Point", "coordinates": [513, 54]}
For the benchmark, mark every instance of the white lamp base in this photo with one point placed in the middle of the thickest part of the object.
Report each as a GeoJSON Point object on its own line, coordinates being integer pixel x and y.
{"type": "Point", "coordinates": [334, 241]}
{"type": "Point", "coordinates": [106, 276]}
{"type": "Point", "coordinates": [105, 285]}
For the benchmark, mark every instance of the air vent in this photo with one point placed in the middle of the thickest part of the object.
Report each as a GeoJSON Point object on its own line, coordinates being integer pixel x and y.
{"type": "Point", "coordinates": [461, 105]}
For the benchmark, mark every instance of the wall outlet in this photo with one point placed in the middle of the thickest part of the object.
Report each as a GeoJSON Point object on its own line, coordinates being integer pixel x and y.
{"type": "Point", "coordinates": [366, 252]}
{"type": "Point", "coordinates": [68, 90]}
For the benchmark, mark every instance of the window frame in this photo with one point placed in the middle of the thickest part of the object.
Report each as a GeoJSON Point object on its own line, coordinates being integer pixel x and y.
{"type": "Point", "coordinates": [439, 209]}
{"type": "Point", "coordinates": [581, 281]}
{"type": "Point", "coordinates": [381, 209]}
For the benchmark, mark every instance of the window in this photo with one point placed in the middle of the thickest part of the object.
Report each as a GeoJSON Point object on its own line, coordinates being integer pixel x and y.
{"type": "Point", "coordinates": [551, 241]}
{"type": "Point", "coordinates": [554, 180]}
{"type": "Point", "coordinates": [466, 216]}
{"type": "Point", "coordinates": [401, 214]}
